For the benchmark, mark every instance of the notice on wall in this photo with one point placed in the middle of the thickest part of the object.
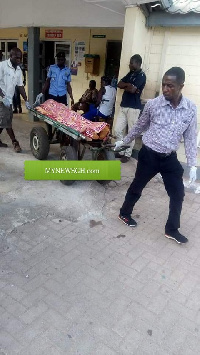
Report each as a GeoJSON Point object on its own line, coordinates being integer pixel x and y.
{"type": "Point", "coordinates": [79, 51]}
{"type": "Point", "coordinates": [53, 33]}
{"type": "Point", "coordinates": [25, 46]}
{"type": "Point", "coordinates": [98, 36]}
{"type": "Point", "coordinates": [74, 67]}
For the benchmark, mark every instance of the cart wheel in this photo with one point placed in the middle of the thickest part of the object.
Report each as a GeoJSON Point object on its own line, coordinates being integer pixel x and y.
{"type": "Point", "coordinates": [105, 155]}
{"type": "Point", "coordinates": [68, 153]}
{"type": "Point", "coordinates": [39, 143]}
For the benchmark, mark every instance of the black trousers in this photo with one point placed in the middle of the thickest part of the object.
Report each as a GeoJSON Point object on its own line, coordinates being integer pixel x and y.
{"type": "Point", "coordinates": [149, 164]}
{"type": "Point", "coordinates": [59, 99]}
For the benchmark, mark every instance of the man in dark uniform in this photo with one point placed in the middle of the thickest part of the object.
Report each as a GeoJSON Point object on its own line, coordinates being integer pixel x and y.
{"type": "Point", "coordinates": [132, 84]}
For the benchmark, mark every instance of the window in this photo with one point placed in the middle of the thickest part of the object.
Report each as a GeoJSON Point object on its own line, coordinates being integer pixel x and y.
{"type": "Point", "coordinates": [6, 46]}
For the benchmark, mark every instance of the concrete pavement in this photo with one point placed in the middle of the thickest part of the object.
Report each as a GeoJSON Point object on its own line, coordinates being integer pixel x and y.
{"type": "Point", "coordinates": [77, 281]}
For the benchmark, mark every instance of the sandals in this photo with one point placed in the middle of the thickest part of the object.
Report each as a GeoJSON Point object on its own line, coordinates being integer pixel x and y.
{"type": "Point", "coordinates": [17, 147]}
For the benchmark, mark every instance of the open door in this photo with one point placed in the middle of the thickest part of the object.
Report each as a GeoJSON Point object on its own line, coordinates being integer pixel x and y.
{"type": "Point", "coordinates": [63, 47]}
{"type": "Point", "coordinates": [113, 55]}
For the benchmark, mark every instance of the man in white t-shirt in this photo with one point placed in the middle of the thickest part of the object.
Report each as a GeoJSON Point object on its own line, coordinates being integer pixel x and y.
{"type": "Point", "coordinates": [10, 76]}
{"type": "Point", "coordinates": [105, 101]}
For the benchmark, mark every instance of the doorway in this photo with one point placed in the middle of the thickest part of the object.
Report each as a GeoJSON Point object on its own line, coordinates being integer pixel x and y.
{"type": "Point", "coordinates": [48, 50]}
{"type": "Point", "coordinates": [113, 55]}
{"type": "Point", "coordinates": [66, 48]}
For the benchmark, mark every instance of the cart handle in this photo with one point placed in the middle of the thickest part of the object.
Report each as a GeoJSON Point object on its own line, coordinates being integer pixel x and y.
{"type": "Point", "coordinates": [123, 147]}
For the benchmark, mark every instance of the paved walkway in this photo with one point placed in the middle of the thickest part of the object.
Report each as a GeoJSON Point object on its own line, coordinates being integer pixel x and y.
{"type": "Point", "coordinates": [76, 281]}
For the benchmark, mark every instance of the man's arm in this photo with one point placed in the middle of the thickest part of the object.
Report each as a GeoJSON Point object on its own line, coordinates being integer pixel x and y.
{"type": "Point", "coordinates": [99, 97]}
{"type": "Point", "coordinates": [1, 76]}
{"type": "Point", "coordinates": [1, 93]}
{"type": "Point", "coordinates": [122, 85]}
{"type": "Point", "coordinates": [139, 84]}
{"type": "Point", "coordinates": [94, 96]}
{"type": "Point", "coordinates": [21, 87]}
{"type": "Point", "coordinates": [3, 97]}
{"type": "Point", "coordinates": [23, 92]}
{"type": "Point", "coordinates": [47, 82]}
{"type": "Point", "coordinates": [24, 74]}
{"type": "Point", "coordinates": [140, 126]}
{"type": "Point", "coordinates": [190, 141]}
{"type": "Point", "coordinates": [69, 90]}
{"type": "Point", "coordinates": [131, 88]}
{"type": "Point", "coordinates": [84, 96]}
{"type": "Point", "coordinates": [46, 86]}
{"type": "Point", "coordinates": [127, 86]}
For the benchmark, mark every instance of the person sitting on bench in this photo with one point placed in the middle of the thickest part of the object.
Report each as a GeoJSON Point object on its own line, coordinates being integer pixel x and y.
{"type": "Point", "coordinates": [88, 98]}
{"type": "Point", "coordinates": [105, 101]}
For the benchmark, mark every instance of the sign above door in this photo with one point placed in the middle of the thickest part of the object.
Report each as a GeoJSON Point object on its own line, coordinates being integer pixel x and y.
{"type": "Point", "coordinates": [53, 33]}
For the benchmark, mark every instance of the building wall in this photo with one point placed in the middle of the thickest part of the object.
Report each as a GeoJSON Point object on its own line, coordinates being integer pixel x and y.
{"type": "Point", "coordinates": [92, 45]}
{"type": "Point", "coordinates": [174, 47]}
{"type": "Point", "coordinates": [19, 34]}
{"type": "Point", "coordinates": [136, 40]}
{"type": "Point", "coordinates": [153, 61]}
{"type": "Point", "coordinates": [161, 48]}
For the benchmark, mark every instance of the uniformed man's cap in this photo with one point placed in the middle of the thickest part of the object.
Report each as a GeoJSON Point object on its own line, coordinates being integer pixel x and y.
{"type": "Point", "coordinates": [60, 55]}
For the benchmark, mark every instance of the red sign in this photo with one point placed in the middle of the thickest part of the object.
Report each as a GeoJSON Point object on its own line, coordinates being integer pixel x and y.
{"type": "Point", "coordinates": [53, 33]}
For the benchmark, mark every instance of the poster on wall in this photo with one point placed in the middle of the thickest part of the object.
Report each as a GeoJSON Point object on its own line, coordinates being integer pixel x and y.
{"type": "Point", "coordinates": [25, 46]}
{"type": "Point", "coordinates": [74, 67]}
{"type": "Point", "coordinates": [79, 51]}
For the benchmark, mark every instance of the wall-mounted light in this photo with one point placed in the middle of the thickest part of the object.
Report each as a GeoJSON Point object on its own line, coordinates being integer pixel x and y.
{"type": "Point", "coordinates": [155, 5]}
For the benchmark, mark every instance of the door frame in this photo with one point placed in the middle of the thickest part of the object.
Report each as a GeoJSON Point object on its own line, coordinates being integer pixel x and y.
{"type": "Point", "coordinates": [6, 52]}
{"type": "Point", "coordinates": [70, 51]}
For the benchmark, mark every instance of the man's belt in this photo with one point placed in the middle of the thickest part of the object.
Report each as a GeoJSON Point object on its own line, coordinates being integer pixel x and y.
{"type": "Point", "coordinates": [161, 155]}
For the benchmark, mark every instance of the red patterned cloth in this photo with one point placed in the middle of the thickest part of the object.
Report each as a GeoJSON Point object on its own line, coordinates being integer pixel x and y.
{"type": "Point", "coordinates": [64, 115]}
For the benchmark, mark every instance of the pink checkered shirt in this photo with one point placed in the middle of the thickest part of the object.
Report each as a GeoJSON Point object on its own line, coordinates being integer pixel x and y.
{"type": "Point", "coordinates": [164, 127]}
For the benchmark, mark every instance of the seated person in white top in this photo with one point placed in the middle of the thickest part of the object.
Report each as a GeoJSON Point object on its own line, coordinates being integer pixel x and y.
{"type": "Point", "coordinates": [105, 101]}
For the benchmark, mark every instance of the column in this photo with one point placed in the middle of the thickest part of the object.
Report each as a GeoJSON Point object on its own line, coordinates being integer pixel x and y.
{"type": "Point", "coordinates": [135, 38]}
{"type": "Point", "coordinates": [134, 41]}
{"type": "Point", "coordinates": [33, 64]}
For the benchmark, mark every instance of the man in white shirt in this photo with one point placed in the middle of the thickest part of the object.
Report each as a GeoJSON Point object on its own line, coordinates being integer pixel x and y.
{"type": "Point", "coordinates": [10, 76]}
{"type": "Point", "coordinates": [105, 101]}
